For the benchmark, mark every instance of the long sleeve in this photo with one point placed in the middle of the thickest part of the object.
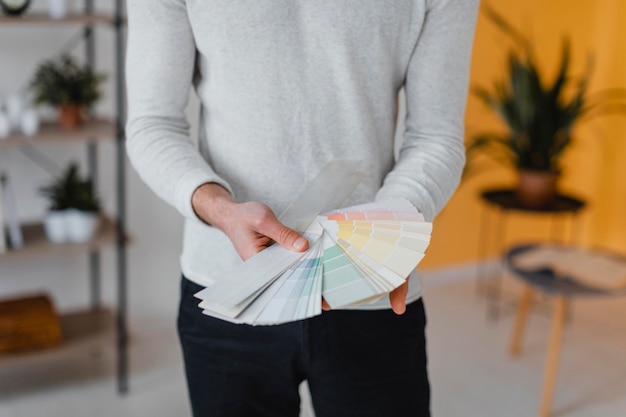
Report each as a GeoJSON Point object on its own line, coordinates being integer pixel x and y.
{"type": "Point", "coordinates": [159, 70]}
{"type": "Point", "coordinates": [432, 155]}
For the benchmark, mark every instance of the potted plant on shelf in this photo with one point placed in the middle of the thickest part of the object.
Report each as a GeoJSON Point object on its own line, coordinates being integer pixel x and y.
{"type": "Point", "coordinates": [539, 117]}
{"type": "Point", "coordinates": [74, 209]}
{"type": "Point", "coordinates": [14, 7]}
{"type": "Point", "coordinates": [72, 89]}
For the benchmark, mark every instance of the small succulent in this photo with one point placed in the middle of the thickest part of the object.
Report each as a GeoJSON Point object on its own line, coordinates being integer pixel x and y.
{"type": "Point", "coordinates": [70, 191]}
{"type": "Point", "coordinates": [62, 81]}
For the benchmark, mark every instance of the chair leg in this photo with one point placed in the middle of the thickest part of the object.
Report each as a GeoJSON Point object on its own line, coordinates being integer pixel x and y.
{"type": "Point", "coordinates": [552, 361]}
{"type": "Point", "coordinates": [523, 310]}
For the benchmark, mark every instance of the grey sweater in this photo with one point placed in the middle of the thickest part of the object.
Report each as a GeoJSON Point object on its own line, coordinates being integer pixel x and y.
{"type": "Point", "coordinates": [286, 86]}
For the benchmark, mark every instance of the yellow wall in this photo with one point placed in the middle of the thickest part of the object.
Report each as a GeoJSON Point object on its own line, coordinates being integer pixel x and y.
{"type": "Point", "coordinates": [594, 168]}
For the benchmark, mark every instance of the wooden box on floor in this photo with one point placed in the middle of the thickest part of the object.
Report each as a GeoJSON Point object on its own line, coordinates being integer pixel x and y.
{"type": "Point", "coordinates": [27, 324]}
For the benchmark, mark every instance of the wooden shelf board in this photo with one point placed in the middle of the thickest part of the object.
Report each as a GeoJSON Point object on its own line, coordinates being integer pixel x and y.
{"type": "Point", "coordinates": [71, 19]}
{"type": "Point", "coordinates": [92, 131]}
{"type": "Point", "coordinates": [82, 332]}
{"type": "Point", "coordinates": [37, 245]}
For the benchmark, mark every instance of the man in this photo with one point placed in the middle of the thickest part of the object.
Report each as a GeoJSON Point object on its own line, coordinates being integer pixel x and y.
{"type": "Point", "coordinates": [286, 86]}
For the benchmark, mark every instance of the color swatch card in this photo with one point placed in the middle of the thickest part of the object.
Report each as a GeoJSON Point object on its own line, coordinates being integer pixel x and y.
{"type": "Point", "coordinates": [356, 254]}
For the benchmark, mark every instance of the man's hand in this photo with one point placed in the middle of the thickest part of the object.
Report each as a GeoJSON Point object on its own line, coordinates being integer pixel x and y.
{"type": "Point", "coordinates": [397, 298]}
{"type": "Point", "coordinates": [251, 226]}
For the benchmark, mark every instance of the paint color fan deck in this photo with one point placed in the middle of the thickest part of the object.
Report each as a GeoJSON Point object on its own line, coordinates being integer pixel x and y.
{"type": "Point", "coordinates": [356, 255]}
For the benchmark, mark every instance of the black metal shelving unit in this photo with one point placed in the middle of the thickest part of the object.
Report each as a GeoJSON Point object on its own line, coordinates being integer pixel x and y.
{"type": "Point", "coordinates": [113, 232]}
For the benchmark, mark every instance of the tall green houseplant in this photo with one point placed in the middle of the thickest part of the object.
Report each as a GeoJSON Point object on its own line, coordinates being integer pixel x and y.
{"type": "Point", "coordinates": [540, 116]}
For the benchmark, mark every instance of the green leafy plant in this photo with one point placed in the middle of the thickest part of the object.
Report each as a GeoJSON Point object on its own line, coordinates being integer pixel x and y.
{"type": "Point", "coordinates": [62, 81]}
{"type": "Point", "coordinates": [71, 191]}
{"type": "Point", "coordinates": [539, 116]}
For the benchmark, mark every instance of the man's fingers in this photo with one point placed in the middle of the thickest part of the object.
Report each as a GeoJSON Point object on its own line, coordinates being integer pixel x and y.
{"type": "Point", "coordinates": [325, 305]}
{"type": "Point", "coordinates": [397, 298]}
{"type": "Point", "coordinates": [249, 251]}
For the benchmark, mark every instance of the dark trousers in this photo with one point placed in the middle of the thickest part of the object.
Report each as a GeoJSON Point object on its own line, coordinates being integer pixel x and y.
{"type": "Point", "coordinates": [357, 363]}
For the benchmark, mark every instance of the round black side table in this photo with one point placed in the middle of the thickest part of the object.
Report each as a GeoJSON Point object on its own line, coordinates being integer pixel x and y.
{"type": "Point", "coordinates": [506, 199]}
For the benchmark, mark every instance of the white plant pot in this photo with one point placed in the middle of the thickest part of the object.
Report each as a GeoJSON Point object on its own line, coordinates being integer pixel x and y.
{"type": "Point", "coordinates": [57, 9]}
{"type": "Point", "coordinates": [71, 225]}
{"type": "Point", "coordinates": [81, 225]}
{"type": "Point", "coordinates": [15, 107]}
{"type": "Point", "coordinates": [29, 123]}
{"type": "Point", "coordinates": [55, 226]}
{"type": "Point", "coordinates": [5, 125]}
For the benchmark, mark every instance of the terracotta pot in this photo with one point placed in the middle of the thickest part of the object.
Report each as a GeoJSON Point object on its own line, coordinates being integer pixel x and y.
{"type": "Point", "coordinates": [536, 189]}
{"type": "Point", "coordinates": [70, 116]}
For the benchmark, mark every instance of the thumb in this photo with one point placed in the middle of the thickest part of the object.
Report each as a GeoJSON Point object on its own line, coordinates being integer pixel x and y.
{"type": "Point", "coordinates": [284, 236]}
{"type": "Point", "coordinates": [397, 298]}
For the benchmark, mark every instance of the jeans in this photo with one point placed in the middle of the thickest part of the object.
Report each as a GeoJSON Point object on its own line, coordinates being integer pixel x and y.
{"type": "Point", "coordinates": [357, 363]}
